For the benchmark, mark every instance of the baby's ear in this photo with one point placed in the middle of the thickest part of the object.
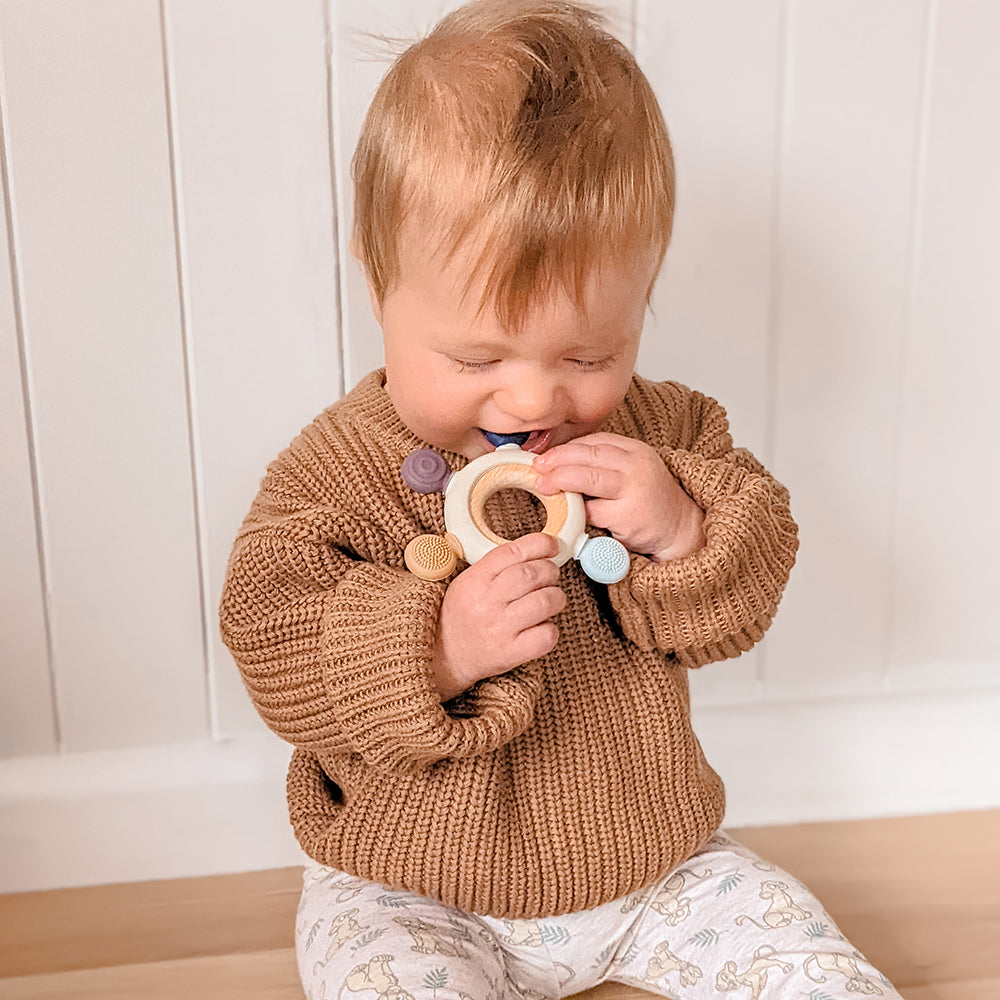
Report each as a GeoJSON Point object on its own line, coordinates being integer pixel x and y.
{"type": "Point", "coordinates": [376, 305]}
{"type": "Point", "coordinates": [354, 251]}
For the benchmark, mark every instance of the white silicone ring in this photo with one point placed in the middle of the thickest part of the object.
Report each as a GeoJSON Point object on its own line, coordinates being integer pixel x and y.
{"type": "Point", "coordinates": [467, 491]}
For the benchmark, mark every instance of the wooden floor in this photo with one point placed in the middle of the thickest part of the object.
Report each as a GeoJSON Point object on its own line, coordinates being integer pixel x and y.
{"type": "Point", "coordinates": [920, 896]}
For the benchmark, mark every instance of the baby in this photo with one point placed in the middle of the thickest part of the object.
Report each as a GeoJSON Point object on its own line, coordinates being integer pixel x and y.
{"type": "Point", "coordinates": [496, 774]}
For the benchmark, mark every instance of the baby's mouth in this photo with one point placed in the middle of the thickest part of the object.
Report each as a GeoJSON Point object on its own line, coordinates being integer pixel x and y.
{"type": "Point", "coordinates": [535, 441]}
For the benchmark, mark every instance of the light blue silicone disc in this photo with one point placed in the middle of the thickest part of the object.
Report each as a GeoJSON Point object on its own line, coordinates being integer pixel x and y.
{"type": "Point", "coordinates": [604, 559]}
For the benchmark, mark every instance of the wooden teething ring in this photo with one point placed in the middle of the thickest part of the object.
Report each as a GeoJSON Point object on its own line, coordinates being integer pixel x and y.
{"type": "Point", "coordinates": [510, 476]}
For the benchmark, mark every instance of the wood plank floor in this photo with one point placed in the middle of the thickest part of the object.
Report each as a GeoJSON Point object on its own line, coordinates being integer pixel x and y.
{"type": "Point", "coordinates": [920, 896]}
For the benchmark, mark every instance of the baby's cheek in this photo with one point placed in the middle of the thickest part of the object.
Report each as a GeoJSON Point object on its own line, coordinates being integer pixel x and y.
{"type": "Point", "coordinates": [601, 408]}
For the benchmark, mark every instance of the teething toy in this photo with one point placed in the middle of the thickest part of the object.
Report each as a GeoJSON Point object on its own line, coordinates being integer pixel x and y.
{"type": "Point", "coordinates": [497, 440]}
{"type": "Point", "coordinates": [469, 536]}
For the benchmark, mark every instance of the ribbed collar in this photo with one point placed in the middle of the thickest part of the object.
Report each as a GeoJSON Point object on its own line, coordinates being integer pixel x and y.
{"type": "Point", "coordinates": [369, 406]}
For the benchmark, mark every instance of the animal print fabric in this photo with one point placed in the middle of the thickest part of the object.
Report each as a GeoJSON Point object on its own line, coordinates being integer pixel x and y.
{"type": "Point", "coordinates": [725, 922]}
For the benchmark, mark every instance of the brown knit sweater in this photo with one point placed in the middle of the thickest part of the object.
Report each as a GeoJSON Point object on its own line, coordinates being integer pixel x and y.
{"type": "Point", "coordinates": [568, 782]}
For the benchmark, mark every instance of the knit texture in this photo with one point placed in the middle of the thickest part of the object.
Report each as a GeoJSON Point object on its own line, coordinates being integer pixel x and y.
{"type": "Point", "coordinates": [567, 782]}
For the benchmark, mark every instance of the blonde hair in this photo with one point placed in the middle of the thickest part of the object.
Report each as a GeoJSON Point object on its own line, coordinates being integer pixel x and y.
{"type": "Point", "coordinates": [523, 132]}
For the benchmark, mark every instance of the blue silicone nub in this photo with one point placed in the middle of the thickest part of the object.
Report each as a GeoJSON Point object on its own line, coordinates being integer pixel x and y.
{"type": "Point", "coordinates": [501, 439]}
{"type": "Point", "coordinates": [604, 559]}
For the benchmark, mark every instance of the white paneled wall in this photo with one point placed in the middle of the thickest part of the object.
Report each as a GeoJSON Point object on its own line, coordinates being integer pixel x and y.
{"type": "Point", "coordinates": [26, 695]}
{"type": "Point", "coordinates": [259, 260]}
{"type": "Point", "coordinates": [945, 579]}
{"type": "Point", "coordinates": [716, 69]}
{"type": "Point", "coordinates": [177, 299]}
{"type": "Point", "coordinates": [848, 167]}
{"type": "Point", "coordinates": [89, 181]}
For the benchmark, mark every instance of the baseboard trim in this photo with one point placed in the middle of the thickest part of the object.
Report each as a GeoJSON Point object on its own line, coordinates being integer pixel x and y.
{"type": "Point", "coordinates": [152, 813]}
{"type": "Point", "coordinates": [855, 757]}
{"type": "Point", "coordinates": [213, 808]}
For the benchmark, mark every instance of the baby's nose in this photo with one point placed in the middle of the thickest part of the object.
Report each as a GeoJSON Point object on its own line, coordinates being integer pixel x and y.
{"type": "Point", "coordinates": [531, 400]}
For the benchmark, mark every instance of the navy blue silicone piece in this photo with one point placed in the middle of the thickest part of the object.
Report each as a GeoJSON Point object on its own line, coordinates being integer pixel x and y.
{"type": "Point", "coordinates": [500, 439]}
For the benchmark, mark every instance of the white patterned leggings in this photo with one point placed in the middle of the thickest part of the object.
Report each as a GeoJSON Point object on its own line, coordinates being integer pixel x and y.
{"type": "Point", "coordinates": [725, 921]}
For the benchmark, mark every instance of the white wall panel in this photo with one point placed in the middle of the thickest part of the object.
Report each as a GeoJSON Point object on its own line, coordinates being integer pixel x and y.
{"type": "Point", "coordinates": [946, 576]}
{"type": "Point", "coordinates": [715, 69]}
{"type": "Point", "coordinates": [365, 37]}
{"type": "Point", "coordinates": [89, 165]}
{"type": "Point", "coordinates": [27, 712]}
{"type": "Point", "coordinates": [249, 86]}
{"type": "Point", "coordinates": [846, 190]}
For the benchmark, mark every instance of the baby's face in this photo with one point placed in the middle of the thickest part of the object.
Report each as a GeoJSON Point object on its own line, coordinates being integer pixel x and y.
{"type": "Point", "coordinates": [453, 374]}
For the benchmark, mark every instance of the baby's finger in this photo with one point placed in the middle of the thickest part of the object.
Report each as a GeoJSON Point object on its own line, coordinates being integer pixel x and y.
{"type": "Point", "coordinates": [601, 513]}
{"type": "Point", "coordinates": [536, 607]}
{"type": "Point", "coordinates": [526, 548]}
{"type": "Point", "coordinates": [591, 480]}
{"type": "Point", "coordinates": [608, 451]}
{"type": "Point", "coordinates": [524, 578]}
{"type": "Point", "coordinates": [535, 642]}
{"type": "Point", "coordinates": [619, 441]}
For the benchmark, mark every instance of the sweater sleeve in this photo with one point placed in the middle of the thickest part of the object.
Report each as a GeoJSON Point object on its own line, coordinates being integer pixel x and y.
{"type": "Point", "coordinates": [718, 602]}
{"type": "Point", "coordinates": [335, 649]}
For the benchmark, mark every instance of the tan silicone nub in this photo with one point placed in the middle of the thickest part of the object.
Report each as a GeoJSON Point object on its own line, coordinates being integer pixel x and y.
{"type": "Point", "coordinates": [430, 557]}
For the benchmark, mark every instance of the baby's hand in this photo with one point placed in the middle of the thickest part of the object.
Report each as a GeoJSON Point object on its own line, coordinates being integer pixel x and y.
{"type": "Point", "coordinates": [630, 493]}
{"type": "Point", "coordinates": [495, 614]}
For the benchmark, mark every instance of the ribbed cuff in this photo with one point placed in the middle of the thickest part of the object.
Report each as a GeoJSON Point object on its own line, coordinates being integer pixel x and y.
{"type": "Point", "coordinates": [720, 599]}
{"type": "Point", "coordinates": [380, 626]}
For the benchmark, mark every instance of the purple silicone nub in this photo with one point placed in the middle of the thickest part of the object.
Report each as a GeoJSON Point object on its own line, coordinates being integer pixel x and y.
{"type": "Point", "coordinates": [425, 471]}
{"type": "Point", "coordinates": [501, 439]}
